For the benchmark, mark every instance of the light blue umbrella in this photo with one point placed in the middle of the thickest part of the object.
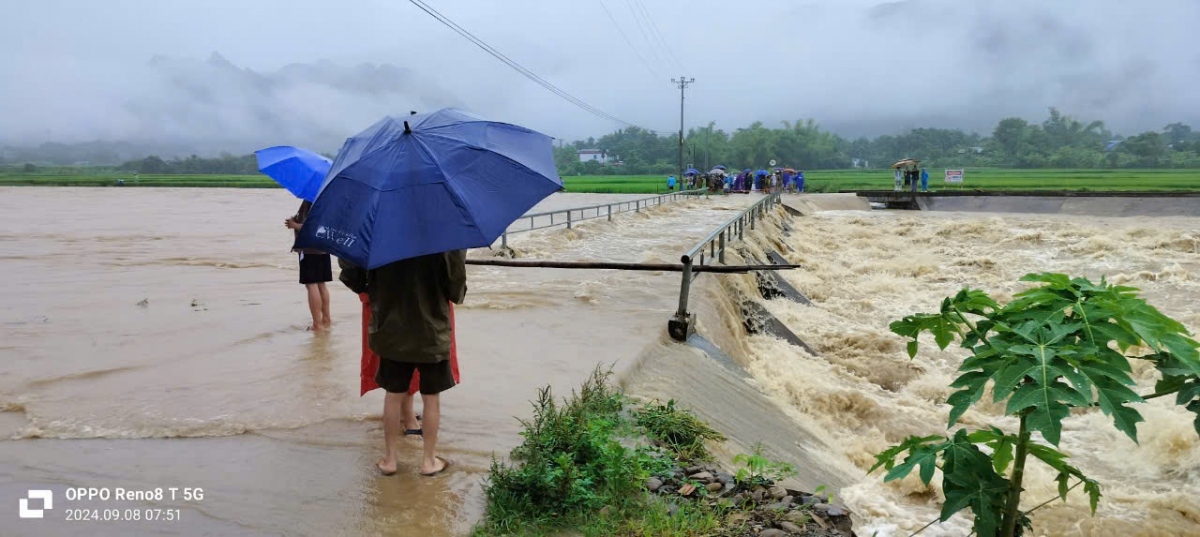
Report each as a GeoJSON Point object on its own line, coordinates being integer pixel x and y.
{"type": "Point", "coordinates": [298, 170]}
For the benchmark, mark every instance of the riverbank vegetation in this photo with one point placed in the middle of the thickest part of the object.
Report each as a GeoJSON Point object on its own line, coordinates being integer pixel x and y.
{"type": "Point", "coordinates": [600, 464]}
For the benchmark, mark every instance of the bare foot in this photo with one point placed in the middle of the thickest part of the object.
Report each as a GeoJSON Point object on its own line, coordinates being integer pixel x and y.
{"type": "Point", "coordinates": [438, 466]}
{"type": "Point", "coordinates": [316, 328]}
{"type": "Point", "coordinates": [386, 466]}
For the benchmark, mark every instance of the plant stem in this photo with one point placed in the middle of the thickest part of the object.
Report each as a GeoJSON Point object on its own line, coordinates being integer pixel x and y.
{"type": "Point", "coordinates": [1013, 504]}
{"type": "Point", "coordinates": [971, 325]}
{"type": "Point", "coordinates": [1160, 394]}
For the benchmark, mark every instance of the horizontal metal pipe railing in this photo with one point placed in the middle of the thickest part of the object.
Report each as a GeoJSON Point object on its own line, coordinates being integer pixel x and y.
{"type": "Point", "coordinates": [715, 244]}
{"type": "Point", "coordinates": [573, 215]}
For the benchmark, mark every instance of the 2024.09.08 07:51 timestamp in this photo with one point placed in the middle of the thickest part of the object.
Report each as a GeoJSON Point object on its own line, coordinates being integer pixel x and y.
{"type": "Point", "coordinates": [123, 515]}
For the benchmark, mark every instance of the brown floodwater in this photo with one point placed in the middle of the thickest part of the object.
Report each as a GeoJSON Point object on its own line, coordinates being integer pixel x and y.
{"type": "Point", "coordinates": [864, 269]}
{"type": "Point", "coordinates": [155, 338]}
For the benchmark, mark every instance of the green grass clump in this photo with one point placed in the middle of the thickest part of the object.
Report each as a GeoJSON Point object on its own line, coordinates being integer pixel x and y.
{"type": "Point", "coordinates": [677, 430]}
{"type": "Point", "coordinates": [577, 470]}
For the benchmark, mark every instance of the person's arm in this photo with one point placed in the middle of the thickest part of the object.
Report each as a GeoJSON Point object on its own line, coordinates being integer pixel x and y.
{"type": "Point", "coordinates": [352, 276]}
{"type": "Point", "coordinates": [456, 276]}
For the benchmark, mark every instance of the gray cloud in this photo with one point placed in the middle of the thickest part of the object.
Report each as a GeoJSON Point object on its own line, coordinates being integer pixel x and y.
{"type": "Point", "coordinates": [312, 73]}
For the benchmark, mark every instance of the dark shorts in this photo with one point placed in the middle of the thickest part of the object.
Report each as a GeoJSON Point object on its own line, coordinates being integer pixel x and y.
{"type": "Point", "coordinates": [395, 377]}
{"type": "Point", "coordinates": [316, 268]}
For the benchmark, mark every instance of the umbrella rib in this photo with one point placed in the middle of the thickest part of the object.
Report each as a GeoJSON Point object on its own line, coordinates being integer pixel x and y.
{"type": "Point", "coordinates": [457, 196]}
{"type": "Point", "coordinates": [485, 149]}
{"type": "Point", "coordinates": [473, 146]}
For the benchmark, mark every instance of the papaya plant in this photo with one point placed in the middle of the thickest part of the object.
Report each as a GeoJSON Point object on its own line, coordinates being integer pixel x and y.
{"type": "Point", "coordinates": [1066, 343]}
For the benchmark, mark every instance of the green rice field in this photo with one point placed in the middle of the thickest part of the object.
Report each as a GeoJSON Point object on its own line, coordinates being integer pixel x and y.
{"type": "Point", "coordinates": [816, 180]}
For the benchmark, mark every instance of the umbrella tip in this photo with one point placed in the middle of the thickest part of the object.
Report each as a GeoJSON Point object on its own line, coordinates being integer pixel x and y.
{"type": "Point", "coordinates": [412, 112]}
{"type": "Point", "coordinates": [407, 130]}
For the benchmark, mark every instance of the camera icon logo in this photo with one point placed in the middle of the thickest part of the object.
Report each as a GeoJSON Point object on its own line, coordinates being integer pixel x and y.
{"type": "Point", "coordinates": [47, 498]}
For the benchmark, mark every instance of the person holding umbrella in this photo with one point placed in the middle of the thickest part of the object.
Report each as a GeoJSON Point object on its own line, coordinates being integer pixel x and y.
{"type": "Point", "coordinates": [404, 200]}
{"type": "Point", "coordinates": [316, 268]}
{"type": "Point", "coordinates": [301, 172]}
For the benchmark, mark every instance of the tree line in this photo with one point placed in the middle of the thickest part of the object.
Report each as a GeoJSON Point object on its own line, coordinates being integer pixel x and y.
{"type": "Point", "coordinates": [1060, 141]}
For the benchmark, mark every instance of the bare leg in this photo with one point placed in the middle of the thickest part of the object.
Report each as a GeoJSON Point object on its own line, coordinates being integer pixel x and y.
{"type": "Point", "coordinates": [392, 404]}
{"type": "Point", "coordinates": [314, 305]}
{"type": "Point", "coordinates": [326, 318]}
{"type": "Point", "coordinates": [410, 416]}
{"type": "Point", "coordinates": [433, 414]}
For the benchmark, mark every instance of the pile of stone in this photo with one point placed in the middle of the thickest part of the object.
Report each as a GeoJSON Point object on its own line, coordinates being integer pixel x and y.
{"type": "Point", "coordinates": [757, 510]}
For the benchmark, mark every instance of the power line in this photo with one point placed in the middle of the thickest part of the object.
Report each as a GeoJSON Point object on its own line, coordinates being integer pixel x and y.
{"type": "Point", "coordinates": [658, 35]}
{"type": "Point", "coordinates": [637, 19]}
{"type": "Point", "coordinates": [518, 67]}
{"type": "Point", "coordinates": [640, 58]}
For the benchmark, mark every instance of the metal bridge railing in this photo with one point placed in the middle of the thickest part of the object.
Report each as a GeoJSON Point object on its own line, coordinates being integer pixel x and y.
{"type": "Point", "coordinates": [573, 215]}
{"type": "Point", "coordinates": [712, 248]}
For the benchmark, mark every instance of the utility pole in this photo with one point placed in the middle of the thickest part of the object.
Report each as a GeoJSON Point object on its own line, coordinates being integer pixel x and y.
{"type": "Point", "coordinates": [707, 132]}
{"type": "Point", "coordinates": [683, 84]}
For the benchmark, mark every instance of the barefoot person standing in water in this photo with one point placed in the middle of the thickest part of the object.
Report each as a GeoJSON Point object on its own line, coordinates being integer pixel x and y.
{"type": "Point", "coordinates": [316, 268]}
{"type": "Point", "coordinates": [411, 329]}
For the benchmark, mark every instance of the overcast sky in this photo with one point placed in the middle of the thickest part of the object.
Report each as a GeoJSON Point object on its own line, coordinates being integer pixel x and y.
{"type": "Point", "coordinates": [76, 70]}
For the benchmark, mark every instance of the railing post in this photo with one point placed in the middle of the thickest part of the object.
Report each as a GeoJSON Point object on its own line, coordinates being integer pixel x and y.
{"type": "Point", "coordinates": [721, 255]}
{"type": "Point", "coordinates": [752, 220]}
{"type": "Point", "coordinates": [637, 206]}
{"type": "Point", "coordinates": [504, 240]}
{"type": "Point", "coordinates": [568, 219]}
{"type": "Point", "coordinates": [681, 325]}
{"type": "Point", "coordinates": [610, 213]}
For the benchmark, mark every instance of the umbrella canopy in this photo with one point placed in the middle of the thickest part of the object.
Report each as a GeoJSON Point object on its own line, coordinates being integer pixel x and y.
{"type": "Point", "coordinates": [906, 162]}
{"type": "Point", "coordinates": [717, 171]}
{"type": "Point", "coordinates": [747, 170]}
{"type": "Point", "coordinates": [789, 170]}
{"type": "Point", "coordinates": [691, 171]}
{"type": "Point", "coordinates": [298, 170]}
{"type": "Point", "coordinates": [429, 183]}
{"type": "Point", "coordinates": [720, 167]}
{"type": "Point", "coordinates": [761, 173]}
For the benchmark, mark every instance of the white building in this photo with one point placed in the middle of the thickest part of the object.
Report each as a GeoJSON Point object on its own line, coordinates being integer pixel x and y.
{"type": "Point", "coordinates": [586, 155]}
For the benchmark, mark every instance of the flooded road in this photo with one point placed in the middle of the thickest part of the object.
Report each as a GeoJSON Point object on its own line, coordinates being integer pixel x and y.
{"type": "Point", "coordinates": [155, 338]}
{"type": "Point", "coordinates": [863, 270]}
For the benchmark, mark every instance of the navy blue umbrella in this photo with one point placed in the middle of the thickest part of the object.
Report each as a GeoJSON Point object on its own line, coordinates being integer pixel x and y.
{"type": "Point", "coordinates": [692, 171]}
{"type": "Point", "coordinates": [761, 173]}
{"type": "Point", "coordinates": [423, 184]}
{"type": "Point", "coordinates": [300, 171]}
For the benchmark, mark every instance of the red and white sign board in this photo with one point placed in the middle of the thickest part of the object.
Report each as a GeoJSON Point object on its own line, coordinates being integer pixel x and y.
{"type": "Point", "coordinates": [954, 176]}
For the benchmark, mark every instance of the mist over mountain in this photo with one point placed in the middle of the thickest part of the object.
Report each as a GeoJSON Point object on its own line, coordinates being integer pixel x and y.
{"type": "Point", "coordinates": [180, 106]}
{"type": "Point", "coordinates": [80, 73]}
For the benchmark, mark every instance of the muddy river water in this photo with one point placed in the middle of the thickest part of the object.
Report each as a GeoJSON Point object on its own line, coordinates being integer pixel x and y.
{"type": "Point", "coordinates": [155, 338]}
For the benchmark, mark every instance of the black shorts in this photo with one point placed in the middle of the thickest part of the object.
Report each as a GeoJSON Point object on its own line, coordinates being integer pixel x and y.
{"type": "Point", "coordinates": [395, 377]}
{"type": "Point", "coordinates": [316, 268]}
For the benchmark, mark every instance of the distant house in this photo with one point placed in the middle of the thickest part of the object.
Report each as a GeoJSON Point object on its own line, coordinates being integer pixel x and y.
{"type": "Point", "coordinates": [588, 155]}
{"type": "Point", "coordinates": [860, 163]}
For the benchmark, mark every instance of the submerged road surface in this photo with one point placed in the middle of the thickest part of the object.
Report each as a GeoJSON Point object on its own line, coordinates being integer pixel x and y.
{"type": "Point", "coordinates": [155, 338]}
